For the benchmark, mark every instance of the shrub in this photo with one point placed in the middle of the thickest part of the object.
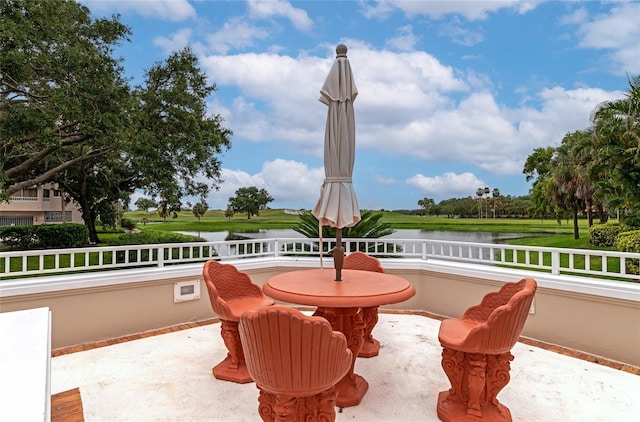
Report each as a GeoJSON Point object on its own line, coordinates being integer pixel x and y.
{"type": "Point", "coordinates": [149, 238]}
{"type": "Point", "coordinates": [66, 235]}
{"type": "Point", "coordinates": [630, 242]}
{"type": "Point", "coordinates": [633, 221]}
{"type": "Point", "coordinates": [145, 238]}
{"type": "Point", "coordinates": [605, 234]}
{"type": "Point", "coordinates": [127, 224]}
{"type": "Point", "coordinates": [19, 237]}
{"type": "Point", "coordinates": [45, 236]}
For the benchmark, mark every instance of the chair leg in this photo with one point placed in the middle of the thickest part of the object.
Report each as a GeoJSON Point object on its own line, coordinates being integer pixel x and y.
{"type": "Point", "coordinates": [233, 367]}
{"type": "Point", "coordinates": [286, 408]}
{"type": "Point", "coordinates": [371, 346]}
{"type": "Point", "coordinates": [477, 364]}
{"type": "Point", "coordinates": [266, 404]}
{"type": "Point", "coordinates": [476, 379]}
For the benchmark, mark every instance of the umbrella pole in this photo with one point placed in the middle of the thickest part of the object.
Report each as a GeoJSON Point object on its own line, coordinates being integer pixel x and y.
{"type": "Point", "coordinates": [338, 255]}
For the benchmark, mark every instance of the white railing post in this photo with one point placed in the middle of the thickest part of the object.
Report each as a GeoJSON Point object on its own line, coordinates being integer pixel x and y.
{"type": "Point", "coordinates": [276, 248]}
{"type": "Point", "coordinates": [555, 262]}
{"type": "Point", "coordinates": [424, 250]}
{"type": "Point", "coordinates": [161, 256]}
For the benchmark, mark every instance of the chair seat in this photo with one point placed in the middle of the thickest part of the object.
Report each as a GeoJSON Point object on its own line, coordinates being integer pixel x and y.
{"type": "Point", "coordinates": [240, 306]}
{"type": "Point", "coordinates": [454, 333]}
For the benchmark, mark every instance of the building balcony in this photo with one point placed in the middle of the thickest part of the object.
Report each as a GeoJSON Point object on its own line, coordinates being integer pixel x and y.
{"type": "Point", "coordinates": [138, 349]}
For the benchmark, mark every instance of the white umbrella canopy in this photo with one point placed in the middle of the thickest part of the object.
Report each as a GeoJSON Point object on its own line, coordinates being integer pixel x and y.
{"type": "Point", "coordinates": [338, 205]}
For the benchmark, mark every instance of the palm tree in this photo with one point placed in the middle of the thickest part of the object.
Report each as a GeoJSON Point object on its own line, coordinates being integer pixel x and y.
{"type": "Point", "coordinates": [480, 194]}
{"type": "Point", "coordinates": [369, 227]}
{"type": "Point", "coordinates": [538, 167]}
{"type": "Point", "coordinates": [486, 205]}
{"type": "Point", "coordinates": [570, 188]}
{"type": "Point", "coordinates": [495, 194]}
{"type": "Point", "coordinates": [616, 136]}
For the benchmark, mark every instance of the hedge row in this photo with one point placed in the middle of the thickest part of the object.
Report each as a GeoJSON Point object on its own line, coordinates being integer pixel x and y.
{"type": "Point", "coordinates": [606, 234]}
{"type": "Point", "coordinates": [53, 236]}
{"type": "Point", "coordinates": [630, 242]}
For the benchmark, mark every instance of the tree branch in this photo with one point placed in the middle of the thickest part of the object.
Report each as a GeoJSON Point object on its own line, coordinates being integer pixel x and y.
{"type": "Point", "coordinates": [47, 176]}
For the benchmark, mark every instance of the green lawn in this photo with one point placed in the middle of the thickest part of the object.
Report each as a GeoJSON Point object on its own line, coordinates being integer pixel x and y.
{"type": "Point", "coordinates": [559, 235]}
{"type": "Point", "coordinates": [214, 221]}
{"type": "Point", "coordinates": [276, 219]}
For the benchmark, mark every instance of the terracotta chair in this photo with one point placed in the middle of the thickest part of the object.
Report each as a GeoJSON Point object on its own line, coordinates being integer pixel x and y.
{"type": "Point", "coordinates": [296, 361]}
{"type": "Point", "coordinates": [477, 351]}
{"type": "Point", "coordinates": [361, 261]}
{"type": "Point", "coordinates": [231, 293]}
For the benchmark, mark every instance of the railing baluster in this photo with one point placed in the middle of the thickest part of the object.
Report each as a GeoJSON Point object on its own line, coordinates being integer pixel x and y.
{"type": "Point", "coordinates": [555, 263]}
{"type": "Point", "coordinates": [552, 260]}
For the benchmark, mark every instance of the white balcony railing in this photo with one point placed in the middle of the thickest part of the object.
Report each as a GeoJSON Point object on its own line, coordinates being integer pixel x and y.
{"type": "Point", "coordinates": [555, 261]}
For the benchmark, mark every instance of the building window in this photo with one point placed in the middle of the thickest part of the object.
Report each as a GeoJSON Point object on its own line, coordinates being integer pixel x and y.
{"type": "Point", "coordinates": [56, 216]}
{"type": "Point", "coordinates": [56, 192]}
{"type": "Point", "coordinates": [45, 194]}
{"type": "Point", "coordinates": [15, 221]}
{"type": "Point", "coordinates": [30, 193]}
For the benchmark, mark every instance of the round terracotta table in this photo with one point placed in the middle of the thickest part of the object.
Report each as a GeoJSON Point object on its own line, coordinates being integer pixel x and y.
{"type": "Point", "coordinates": [340, 302]}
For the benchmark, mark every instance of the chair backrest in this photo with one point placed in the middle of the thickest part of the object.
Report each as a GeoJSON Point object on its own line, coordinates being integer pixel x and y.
{"type": "Point", "coordinates": [361, 261]}
{"type": "Point", "coordinates": [287, 352]}
{"type": "Point", "coordinates": [501, 317]}
{"type": "Point", "coordinates": [225, 283]}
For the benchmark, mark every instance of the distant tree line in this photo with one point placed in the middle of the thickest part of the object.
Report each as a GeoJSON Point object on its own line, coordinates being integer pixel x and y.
{"type": "Point", "coordinates": [498, 206]}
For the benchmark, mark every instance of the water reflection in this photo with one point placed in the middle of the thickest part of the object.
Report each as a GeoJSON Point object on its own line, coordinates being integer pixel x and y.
{"type": "Point", "coordinates": [405, 234]}
{"type": "Point", "coordinates": [478, 237]}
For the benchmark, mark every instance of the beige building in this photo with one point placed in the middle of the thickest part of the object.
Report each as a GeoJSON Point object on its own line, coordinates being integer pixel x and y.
{"type": "Point", "coordinates": [38, 205]}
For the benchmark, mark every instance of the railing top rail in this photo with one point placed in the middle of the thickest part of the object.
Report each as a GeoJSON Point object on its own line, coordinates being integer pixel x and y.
{"type": "Point", "coordinates": [554, 260]}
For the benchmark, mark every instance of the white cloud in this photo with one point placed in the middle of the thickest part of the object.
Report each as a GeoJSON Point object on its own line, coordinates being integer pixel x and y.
{"type": "Point", "coordinates": [405, 40]}
{"type": "Point", "coordinates": [478, 131]}
{"type": "Point", "coordinates": [460, 34]}
{"type": "Point", "coordinates": [384, 180]}
{"type": "Point", "coordinates": [409, 104]}
{"type": "Point", "coordinates": [446, 185]}
{"type": "Point", "coordinates": [576, 17]}
{"type": "Point", "coordinates": [470, 10]}
{"type": "Point", "coordinates": [291, 183]}
{"type": "Point", "coordinates": [266, 9]}
{"type": "Point", "coordinates": [169, 10]}
{"type": "Point", "coordinates": [618, 31]}
{"type": "Point", "coordinates": [379, 10]}
{"type": "Point", "coordinates": [176, 41]}
{"type": "Point", "coordinates": [236, 33]}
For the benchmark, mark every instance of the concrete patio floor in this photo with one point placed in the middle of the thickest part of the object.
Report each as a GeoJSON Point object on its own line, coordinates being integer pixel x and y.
{"type": "Point", "coordinates": [168, 377]}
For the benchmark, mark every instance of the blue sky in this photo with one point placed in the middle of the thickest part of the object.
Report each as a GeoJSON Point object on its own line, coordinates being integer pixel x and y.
{"type": "Point", "coordinates": [453, 95]}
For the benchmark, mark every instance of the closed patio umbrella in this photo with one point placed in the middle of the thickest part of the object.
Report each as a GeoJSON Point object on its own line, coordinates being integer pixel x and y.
{"type": "Point", "coordinates": [338, 206]}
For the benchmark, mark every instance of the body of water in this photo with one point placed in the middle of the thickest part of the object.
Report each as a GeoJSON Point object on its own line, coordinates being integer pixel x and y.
{"type": "Point", "coordinates": [478, 237]}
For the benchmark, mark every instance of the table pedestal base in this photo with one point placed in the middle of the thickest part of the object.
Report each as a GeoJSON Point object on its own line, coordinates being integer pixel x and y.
{"type": "Point", "coordinates": [351, 389]}
{"type": "Point", "coordinates": [349, 322]}
{"type": "Point", "coordinates": [370, 349]}
{"type": "Point", "coordinates": [371, 346]}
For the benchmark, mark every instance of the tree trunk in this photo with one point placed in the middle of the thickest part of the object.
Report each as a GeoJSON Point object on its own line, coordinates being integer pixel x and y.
{"type": "Point", "coordinates": [89, 220]}
{"type": "Point", "coordinates": [576, 232]}
{"type": "Point", "coordinates": [93, 233]}
{"type": "Point", "coordinates": [603, 215]}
